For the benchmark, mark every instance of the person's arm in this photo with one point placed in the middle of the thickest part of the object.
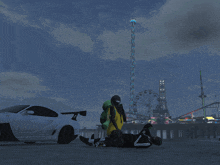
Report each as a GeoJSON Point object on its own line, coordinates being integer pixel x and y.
{"type": "Point", "coordinates": [122, 112]}
{"type": "Point", "coordinates": [147, 132]}
{"type": "Point", "coordinates": [112, 118]}
{"type": "Point", "coordinates": [124, 116]}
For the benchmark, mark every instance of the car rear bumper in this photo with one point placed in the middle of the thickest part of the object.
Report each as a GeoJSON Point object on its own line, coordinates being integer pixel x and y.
{"type": "Point", "coordinates": [6, 133]}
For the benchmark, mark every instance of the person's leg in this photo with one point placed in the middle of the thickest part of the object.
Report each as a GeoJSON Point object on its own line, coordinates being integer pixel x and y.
{"type": "Point", "coordinates": [115, 139]}
{"type": "Point", "coordinates": [139, 140]}
{"type": "Point", "coordinates": [129, 140]}
{"type": "Point", "coordinates": [109, 141]}
{"type": "Point", "coordinates": [88, 141]}
{"type": "Point", "coordinates": [142, 141]}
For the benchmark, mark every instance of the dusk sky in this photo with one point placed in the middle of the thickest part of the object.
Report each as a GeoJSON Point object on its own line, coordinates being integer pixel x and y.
{"type": "Point", "coordinates": [74, 55]}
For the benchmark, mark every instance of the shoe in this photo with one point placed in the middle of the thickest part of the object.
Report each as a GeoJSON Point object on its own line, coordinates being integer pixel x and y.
{"type": "Point", "coordinates": [99, 144]}
{"type": "Point", "coordinates": [86, 140]}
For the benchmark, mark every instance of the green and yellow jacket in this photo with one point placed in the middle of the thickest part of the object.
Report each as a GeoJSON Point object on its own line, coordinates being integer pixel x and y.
{"type": "Point", "coordinates": [117, 118]}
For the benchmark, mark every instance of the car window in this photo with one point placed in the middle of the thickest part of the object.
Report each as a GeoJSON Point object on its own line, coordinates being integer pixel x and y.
{"type": "Point", "coordinates": [43, 111]}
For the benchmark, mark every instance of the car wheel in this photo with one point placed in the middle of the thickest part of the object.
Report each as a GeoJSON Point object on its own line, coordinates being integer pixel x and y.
{"type": "Point", "coordinates": [29, 142]}
{"type": "Point", "coordinates": [66, 135]}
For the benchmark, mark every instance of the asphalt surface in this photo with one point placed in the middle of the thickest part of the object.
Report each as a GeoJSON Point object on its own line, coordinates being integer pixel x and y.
{"type": "Point", "coordinates": [169, 153]}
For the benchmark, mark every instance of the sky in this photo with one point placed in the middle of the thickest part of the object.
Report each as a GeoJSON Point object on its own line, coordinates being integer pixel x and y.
{"type": "Point", "coordinates": [76, 55]}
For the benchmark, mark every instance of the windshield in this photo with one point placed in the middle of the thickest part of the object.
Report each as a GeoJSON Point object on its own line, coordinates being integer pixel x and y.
{"type": "Point", "coordinates": [14, 109]}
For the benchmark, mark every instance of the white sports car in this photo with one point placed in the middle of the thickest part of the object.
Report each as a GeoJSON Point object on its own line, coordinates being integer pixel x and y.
{"type": "Point", "coordinates": [29, 124]}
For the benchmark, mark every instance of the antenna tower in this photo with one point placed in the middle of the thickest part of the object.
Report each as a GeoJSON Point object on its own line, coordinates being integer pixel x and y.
{"type": "Point", "coordinates": [202, 96]}
{"type": "Point", "coordinates": [132, 69]}
{"type": "Point", "coordinates": [162, 98]}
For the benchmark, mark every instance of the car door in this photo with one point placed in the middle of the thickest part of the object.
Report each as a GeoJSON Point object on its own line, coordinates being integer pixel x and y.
{"type": "Point", "coordinates": [45, 121]}
{"type": "Point", "coordinates": [34, 126]}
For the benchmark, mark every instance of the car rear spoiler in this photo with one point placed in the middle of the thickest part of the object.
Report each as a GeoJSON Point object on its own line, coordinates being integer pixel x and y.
{"type": "Point", "coordinates": [83, 113]}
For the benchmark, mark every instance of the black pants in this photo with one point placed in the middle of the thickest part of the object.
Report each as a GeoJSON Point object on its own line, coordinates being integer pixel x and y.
{"type": "Point", "coordinates": [138, 140]}
{"type": "Point", "coordinates": [117, 139]}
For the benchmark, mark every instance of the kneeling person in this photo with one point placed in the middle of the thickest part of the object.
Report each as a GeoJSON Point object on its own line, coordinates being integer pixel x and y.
{"type": "Point", "coordinates": [117, 118]}
{"type": "Point", "coordinates": [115, 114]}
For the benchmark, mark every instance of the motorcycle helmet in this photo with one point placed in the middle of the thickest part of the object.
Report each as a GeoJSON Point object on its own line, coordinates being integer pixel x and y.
{"type": "Point", "coordinates": [157, 140]}
{"type": "Point", "coordinates": [116, 100]}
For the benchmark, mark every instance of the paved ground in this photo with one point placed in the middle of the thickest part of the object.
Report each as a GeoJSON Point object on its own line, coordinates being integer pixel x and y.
{"type": "Point", "coordinates": [170, 153]}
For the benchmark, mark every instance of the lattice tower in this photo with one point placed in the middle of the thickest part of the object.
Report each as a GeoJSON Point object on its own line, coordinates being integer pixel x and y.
{"type": "Point", "coordinates": [162, 99]}
{"type": "Point", "coordinates": [132, 69]}
{"type": "Point", "coordinates": [202, 96]}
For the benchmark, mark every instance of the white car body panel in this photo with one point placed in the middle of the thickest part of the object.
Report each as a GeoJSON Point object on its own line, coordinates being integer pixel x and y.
{"type": "Point", "coordinates": [28, 128]}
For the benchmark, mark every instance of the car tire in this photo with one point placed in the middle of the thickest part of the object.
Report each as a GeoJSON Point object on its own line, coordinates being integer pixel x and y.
{"type": "Point", "coordinates": [66, 135]}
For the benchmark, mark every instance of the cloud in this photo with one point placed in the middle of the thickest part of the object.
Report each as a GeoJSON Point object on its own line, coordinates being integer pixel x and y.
{"type": "Point", "coordinates": [215, 81]}
{"type": "Point", "coordinates": [195, 87]}
{"type": "Point", "coordinates": [46, 22]}
{"type": "Point", "coordinates": [116, 45]}
{"type": "Point", "coordinates": [17, 85]}
{"type": "Point", "coordinates": [62, 33]}
{"type": "Point", "coordinates": [71, 36]}
{"type": "Point", "coordinates": [58, 99]}
{"type": "Point", "coordinates": [189, 24]}
{"type": "Point", "coordinates": [16, 17]}
{"type": "Point", "coordinates": [2, 4]}
{"type": "Point", "coordinates": [179, 27]}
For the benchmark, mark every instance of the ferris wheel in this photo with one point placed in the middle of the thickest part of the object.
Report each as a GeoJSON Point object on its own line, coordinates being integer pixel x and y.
{"type": "Point", "coordinates": [145, 102]}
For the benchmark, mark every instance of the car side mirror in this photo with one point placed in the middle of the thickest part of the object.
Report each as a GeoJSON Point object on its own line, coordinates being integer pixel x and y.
{"type": "Point", "coordinates": [30, 112]}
